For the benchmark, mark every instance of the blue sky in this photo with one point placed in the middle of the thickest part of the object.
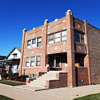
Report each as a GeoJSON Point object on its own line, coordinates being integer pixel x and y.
{"type": "Point", "coordinates": [18, 14]}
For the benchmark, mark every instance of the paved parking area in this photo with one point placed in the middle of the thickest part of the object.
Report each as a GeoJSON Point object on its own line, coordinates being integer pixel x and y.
{"type": "Point", "coordinates": [51, 94]}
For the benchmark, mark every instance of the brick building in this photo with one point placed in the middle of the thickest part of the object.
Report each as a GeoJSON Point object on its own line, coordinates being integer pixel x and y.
{"type": "Point", "coordinates": [68, 47]}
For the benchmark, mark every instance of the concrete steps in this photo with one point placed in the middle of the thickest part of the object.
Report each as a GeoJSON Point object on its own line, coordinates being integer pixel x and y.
{"type": "Point", "coordinates": [41, 81]}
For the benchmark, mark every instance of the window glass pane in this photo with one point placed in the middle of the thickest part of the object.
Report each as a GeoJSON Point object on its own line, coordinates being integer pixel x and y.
{"type": "Point", "coordinates": [32, 63]}
{"type": "Point", "coordinates": [32, 58]}
{"type": "Point", "coordinates": [33, 45]}
{"type": "Point", "coordinates": [37, 58]}
{"type": "Point", "coordinates": [39, 44]}
{"type": "Point", "coordinates": [51, 36]}
{"type": "Point", "coordinates": [57, 35]}
{"type": "Point", "coordinates": [51, 42]}
{"type": "Point", "coordinates": [64, 38]}
{"type": "Point", "coordinates": [82, 38]}
{"type": "Point", "coordinates": [39, 39]}
{"type": "Point", "coordinates": [34, 41]}
{"type": "Point", "coordinates": [63, 33]}
{"type": "Point", "coordinates": [27, 62]}
{"type": "Point", "coordinates": [82, 41]}
{"type": "Point", "coordinates": [57, 40]}
{"type": "Point", "coordinates": [27, 59]}
{"type": "Point", "coordinates": [79, 37]}
{"type": "Point", "coordinates": [37, 63]}
{"type": "Point", "coordinates": [28, 42]}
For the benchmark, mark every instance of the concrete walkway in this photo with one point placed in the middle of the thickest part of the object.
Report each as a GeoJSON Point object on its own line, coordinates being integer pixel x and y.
{"type": "Point", "coordinates": [51, 94]}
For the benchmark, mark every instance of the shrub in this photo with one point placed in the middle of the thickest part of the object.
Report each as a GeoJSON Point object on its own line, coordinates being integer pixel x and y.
{"type": "Point", "coordinates": [23, 78]}
{"type": "Point", "coordinates": [4, 75]}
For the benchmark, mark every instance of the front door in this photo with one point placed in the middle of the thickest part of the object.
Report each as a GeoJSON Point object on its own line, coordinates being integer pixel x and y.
{"type": "Point", "coordinates": [54, 62]}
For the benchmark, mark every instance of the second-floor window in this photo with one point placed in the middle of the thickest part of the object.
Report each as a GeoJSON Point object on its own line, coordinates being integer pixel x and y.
{"type": "Point", "coordinates": [64, 38]}
{"type": "Point", "coordinates": [36, 42]}
{"type": "Point", "coordinates": [51, 39]}
{"type": "Point", "coordinates": [79, 37]}
{"type": "Point", "coordinates": [39, 42]}
{"type": "Point", "coordinates": [29, 44]}
{"type": "Point", "coordinates": [57, 37]}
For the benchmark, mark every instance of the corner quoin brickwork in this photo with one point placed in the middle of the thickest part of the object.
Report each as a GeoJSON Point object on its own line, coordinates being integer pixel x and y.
{"type": "Point", "coordinates": [90, 49]}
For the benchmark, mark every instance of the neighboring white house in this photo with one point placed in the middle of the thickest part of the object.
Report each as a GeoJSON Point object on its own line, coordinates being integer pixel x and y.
{"type": "Point", "coordinates": [13, 60]}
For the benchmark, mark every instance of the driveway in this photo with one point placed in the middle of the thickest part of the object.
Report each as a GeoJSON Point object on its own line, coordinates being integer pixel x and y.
{"type": "Point", "coordinates": [51, 94]}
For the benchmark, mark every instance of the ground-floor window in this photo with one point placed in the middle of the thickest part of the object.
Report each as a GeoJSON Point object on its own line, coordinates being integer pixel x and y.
{"type": "Point", "coordinates": [37, 60]}
{"type": "Point", "coordinates": [32, 61]}
{"type": "Point", "coordinates": [27, 62]}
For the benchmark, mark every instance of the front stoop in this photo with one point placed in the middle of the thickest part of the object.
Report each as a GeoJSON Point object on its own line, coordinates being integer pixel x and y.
{"type": "Point", "coordinates": [50, 80]}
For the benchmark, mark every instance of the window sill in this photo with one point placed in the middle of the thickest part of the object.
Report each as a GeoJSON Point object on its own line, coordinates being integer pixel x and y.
{"type": "Point", "coordinates": [34, 48]}
{"type": "Point", "coordinates": [57, 43]}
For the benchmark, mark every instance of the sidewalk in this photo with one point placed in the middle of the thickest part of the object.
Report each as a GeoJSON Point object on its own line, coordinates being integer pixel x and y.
{"type": "Point", "coordinates": [51, 94]}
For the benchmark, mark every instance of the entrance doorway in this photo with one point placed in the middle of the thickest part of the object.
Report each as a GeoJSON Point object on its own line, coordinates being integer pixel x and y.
{"type": "Point", "coordinates": [54, 62]}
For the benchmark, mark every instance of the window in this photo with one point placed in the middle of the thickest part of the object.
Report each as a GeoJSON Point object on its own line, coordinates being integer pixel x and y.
{"type": "Point", "coordinates": [33, 61]}
{"type": "Point", "coordinates": [76, 37]}
{"type": "Point", "coordinates": [34, 43]}
{"type": "Point", "coordinates": [15, 55]}
{"type": "Point", "coordinates": [32, 75]}
{"type": "Point", "coordinates": [39, 42]}
{"type": "Point", "coordinates": [82, 38]}
{"type": "Point", "coordinates": [29, 44]}
{"type": "Point", "coordinates": [37, 60]}
{"type": "Point", "coordinates": [51, 39]}
{"type": "Point", "coordinates": [27, 62]}
{"type": "Point", "coordinates": [79, 37]}
{"type": "Point", "coordinates": [63, 35]}
{"type": "Point", "coordinates": [57, 37]}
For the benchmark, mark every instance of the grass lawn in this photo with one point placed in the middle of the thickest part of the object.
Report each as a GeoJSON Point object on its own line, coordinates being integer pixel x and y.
{"type": "Point", "coordinates": [90, 97]}
{"type": "Point", "coordinates": [5, 98]}
{"type": "Point", "coordinates": [10, 83]}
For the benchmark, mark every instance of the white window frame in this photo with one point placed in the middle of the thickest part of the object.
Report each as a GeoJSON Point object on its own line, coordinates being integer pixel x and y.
{"type": "Point", "coordinates": [32, 61]}
{"type": "Point", "coordinates": [38, 61]}
{"type": "Point", "coordinates": [39, 42]}
{"type": "Point", "coordinates": [34, 45]}
{"type": "Point", "coordinates": [26, 62]}
{"type": "Point", "coordinates": [29, 46]}
{"type": "Point", "coordinates": [64, 36]}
